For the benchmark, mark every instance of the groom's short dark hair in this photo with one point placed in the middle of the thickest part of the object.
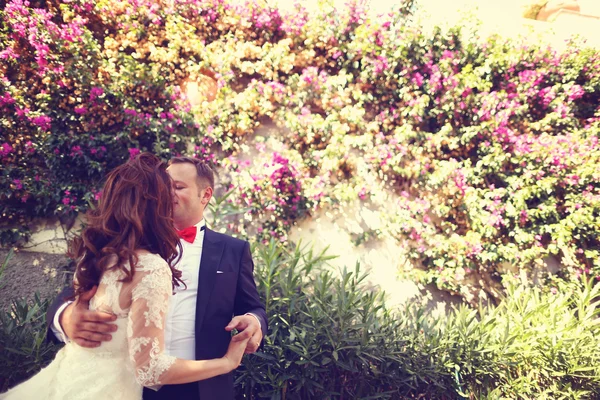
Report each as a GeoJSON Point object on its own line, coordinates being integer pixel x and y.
{"type": "Point", "coordinates": [204, 172]}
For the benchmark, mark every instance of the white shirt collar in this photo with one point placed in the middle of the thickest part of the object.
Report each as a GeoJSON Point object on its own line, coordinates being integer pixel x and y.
{"type": "Point", "coordinates": [200, 226]}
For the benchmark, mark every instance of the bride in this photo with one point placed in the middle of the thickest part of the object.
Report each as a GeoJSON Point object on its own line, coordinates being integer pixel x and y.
{"type": "Point", "coordinates": [128, 249]}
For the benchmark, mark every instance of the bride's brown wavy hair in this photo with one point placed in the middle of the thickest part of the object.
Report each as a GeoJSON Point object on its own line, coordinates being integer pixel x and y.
{"type": "Point", "coordinates": [135, 213]}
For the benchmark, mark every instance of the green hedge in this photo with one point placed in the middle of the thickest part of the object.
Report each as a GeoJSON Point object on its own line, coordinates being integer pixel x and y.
{"type": "Point", "coordinates": [23, 346]}
{"type": "Point", "coordinates": [330, 337]}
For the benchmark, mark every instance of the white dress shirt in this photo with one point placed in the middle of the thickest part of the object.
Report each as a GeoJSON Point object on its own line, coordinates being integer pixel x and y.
{"type": "Point", "coordinates": [181, 317]}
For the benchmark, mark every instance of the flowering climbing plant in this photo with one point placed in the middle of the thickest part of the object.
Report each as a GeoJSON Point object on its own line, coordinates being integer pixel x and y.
{"type": "Point", "coordinates": [478, 155]}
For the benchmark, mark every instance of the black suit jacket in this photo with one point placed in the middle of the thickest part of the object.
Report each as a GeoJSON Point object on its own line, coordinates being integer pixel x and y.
{"type": "Point", "coordinates": [221, 295]}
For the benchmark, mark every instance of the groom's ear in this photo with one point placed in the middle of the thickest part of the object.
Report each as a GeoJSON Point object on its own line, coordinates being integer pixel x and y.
{"type": "Point", "coordinates": [206, 195]}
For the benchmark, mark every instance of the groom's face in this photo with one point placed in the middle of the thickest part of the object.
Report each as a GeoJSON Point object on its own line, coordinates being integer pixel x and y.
{"type": "Point", "coordinates": [191, 195]}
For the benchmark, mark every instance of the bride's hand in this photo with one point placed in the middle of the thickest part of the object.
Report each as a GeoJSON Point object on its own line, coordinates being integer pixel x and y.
{"type": "Point", "coordinates": [235, 352]}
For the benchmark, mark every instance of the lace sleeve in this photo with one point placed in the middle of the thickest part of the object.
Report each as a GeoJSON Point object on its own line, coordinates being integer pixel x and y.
{"type": "Point", "coordinates": [150, 293]}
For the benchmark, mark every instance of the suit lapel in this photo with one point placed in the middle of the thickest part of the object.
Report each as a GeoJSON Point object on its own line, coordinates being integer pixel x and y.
{"type": "Point", "coordinates": [212, 251]}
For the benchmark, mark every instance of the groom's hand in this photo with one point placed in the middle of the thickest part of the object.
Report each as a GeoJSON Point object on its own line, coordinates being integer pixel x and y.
{"type": "Point", "coordinates": [84, 327]}
{"type": "Point", "coordinates": [249, 328]}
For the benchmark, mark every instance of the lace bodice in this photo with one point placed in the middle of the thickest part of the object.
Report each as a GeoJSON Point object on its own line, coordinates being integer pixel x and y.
{"type": "Point", "coordinates": [143, 303]}
{"type": "Point", "coordinates": [135, 356]}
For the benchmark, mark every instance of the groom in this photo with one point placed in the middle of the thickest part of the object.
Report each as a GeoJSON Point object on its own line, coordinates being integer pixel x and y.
{"type": "Point", "coordinates": [217, 270]}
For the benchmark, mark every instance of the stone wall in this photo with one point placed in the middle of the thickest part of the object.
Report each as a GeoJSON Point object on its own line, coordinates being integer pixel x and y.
{"type": "Point", "coordinates": [43, 267]}
{"type": "Point", "coordinates": [383, 259]}
{"type": "Point", "coordinates": [40, 266]}
{"type": "Point", "coordinates": [27, 273]}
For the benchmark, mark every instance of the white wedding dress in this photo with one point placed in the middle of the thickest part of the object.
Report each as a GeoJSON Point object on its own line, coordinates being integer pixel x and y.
{"type": "Point", "coordinates": [117, 369]}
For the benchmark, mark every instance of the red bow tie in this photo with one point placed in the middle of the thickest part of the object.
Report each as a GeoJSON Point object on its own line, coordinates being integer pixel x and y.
{"type": "Point", "coordinates": [189, 234]}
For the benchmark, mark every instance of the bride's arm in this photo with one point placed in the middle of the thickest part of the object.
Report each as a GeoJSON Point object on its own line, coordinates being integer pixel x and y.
{"type": "Point", "coordinates": [150, 292]}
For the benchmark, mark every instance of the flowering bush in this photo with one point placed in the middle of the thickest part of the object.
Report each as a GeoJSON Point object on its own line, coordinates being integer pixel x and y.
{"type": "Point", "coordinates": [275, 187]}
{"type": "Point", "coordinates": [67, 116]}
{"type": "Point", "coordinates": [480, 155]}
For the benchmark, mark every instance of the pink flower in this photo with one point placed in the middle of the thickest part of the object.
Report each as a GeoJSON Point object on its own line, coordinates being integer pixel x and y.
{"type": "Point", "coordinates": [523, 217]}
{"type": "Point", "coordinates": [43, 121]}
{"type": "Point", "coordinates": [22, 112]}
{"type": "Point", "coordinates": [562, 109]}
{"type": "Point", "coordinates": [6, 98]}
{"type": "Point", "coordinates": [80, 110]}
{"type": "Point", "coordinates": [18, 184]}
{"type": "Point", "coordinates": [362, 194]}
{"type": "Point", "coordinates": [260, 147]}
{"type": "Point", "coordinates": [474, 250]}
{"type": "Point", "coordinates": [547, 95]}
{"type": "Point", "coordinates": [531, 76]}
{"type": "Point", "coordinates": [95, 93]}
{"type": "Point", "coordinates": [134, 152]}
{"type": "Point", "coordinates": [5, 149]}
{"type": "Point", "coordinates": [460, 181]}
{"type": "Point", "coordinates": [575, 92]}
{"type": "Point", "coordinates": [381, 64]}
{"type": "Point", "coordinates": [29, 147]}
{"type": "Point", "coordinates": [8, 53]}
{"type": "Point", "coordinates": [414, 235]}
{"type": "Point", "coordinates": [417, 79]}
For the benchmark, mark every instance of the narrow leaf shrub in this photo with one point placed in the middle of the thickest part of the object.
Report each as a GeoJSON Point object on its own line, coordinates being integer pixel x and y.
{"type": "Point", "coordinates": [23, 346]}
{"type": "Point", "coordinates": [331, 337]}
